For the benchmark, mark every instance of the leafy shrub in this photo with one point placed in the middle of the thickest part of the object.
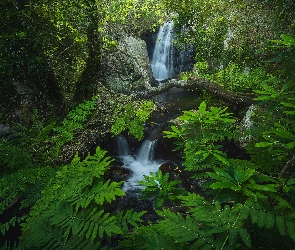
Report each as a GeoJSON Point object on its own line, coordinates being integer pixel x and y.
{"type": "Point", "coordinates": [132, 118]}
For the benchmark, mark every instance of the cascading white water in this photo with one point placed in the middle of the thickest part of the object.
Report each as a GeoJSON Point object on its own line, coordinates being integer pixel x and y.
{"type": "Point", "coordinates": [162, 61]}
{"type": "Point", "coordinates": [142, 164]}
{"type": "Point", "coordinates": [123, 149]}
{"type": "Point", "coordinates": [146, 152]}
{"type": "Point", "coordinates": [246, 125]}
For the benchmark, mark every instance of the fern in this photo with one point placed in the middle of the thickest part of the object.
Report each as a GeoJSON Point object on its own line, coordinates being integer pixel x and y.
{"type": "Point", "coordinates": [199, 135]}
{"type": "Point", "coordinates": [158, 186]}
{"type": "Point", "coordinates": [208, 225]}
{"type": "Point", "coordinates": [71, 208]}
{"type": "Point", "coordinates": [74, 121]}
{"type": "Point", "coordinates": [149, 238]}
{"type": "Point", "coordinates": [133, 118]}
{"type": "Point", "coordinates": [129, 218]}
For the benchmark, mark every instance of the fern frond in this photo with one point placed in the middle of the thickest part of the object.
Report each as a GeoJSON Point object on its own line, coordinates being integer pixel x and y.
{"type": "Point", "coordinates": [188, 231]}
{"type": "Point", "coordinates": [129, 218]}
{"type": "Point", "coordinates": [149, 238]}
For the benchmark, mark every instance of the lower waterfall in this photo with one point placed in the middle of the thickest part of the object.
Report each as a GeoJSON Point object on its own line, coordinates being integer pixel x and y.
{"type": "Point", "coordinates": [141, 164]}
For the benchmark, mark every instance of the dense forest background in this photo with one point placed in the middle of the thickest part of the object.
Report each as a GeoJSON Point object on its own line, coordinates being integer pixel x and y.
{"type": "Point", "coordinates": [59, 111]}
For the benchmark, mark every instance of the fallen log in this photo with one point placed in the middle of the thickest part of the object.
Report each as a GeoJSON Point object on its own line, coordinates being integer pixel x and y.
{"type": "Point", "coordinates": [215, 89]}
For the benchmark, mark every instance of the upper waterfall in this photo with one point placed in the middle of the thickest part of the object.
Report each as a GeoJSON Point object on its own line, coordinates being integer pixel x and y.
{"type": "Point", "coordinates": [162, 60]}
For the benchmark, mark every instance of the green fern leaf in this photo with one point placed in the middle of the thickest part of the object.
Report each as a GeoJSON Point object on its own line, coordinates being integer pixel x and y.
{"type": "Point", "coordinates": [108, 192]}
{"type": "Point", "coordinates": [84, 229]}
{"type": "Point", "coordinates": [291, 229]}
{"type": "Point", "coordinates": [269, 220]}
{"type": "Point", "coordinates": [129, 218]}
{"type": "Point", "coordinates": [89, 230]}
{"type": "Point", "coordinates": [261, 218]}
{"type": "Point", "coordinates": [244, 213]}
{"type": "Point", "coordinates": [198, 244]}
{"type": "Point", "coordinates": [183, 234]}
{"type": "Point", "coordinates": [233, 235]}
{"type": "Point", "coordinates": [245, 236]}
{"type": "Point", "coordinates": [94, 232]}
{"type": "Point", "coordinates": [108, 225]}
{"type": "Point", "coordinates": [207, 247]}
{"type": "Point", "coordinates": [253, 215]}
{"type": "Point", "coordinates": [221, 185]}
{"type": "Point", "coordinates": [281, 225]}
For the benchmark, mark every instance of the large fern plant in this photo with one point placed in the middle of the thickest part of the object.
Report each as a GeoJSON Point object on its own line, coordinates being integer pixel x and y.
{"type": "Point", "coordinates": [71, 213]}
{"type": "Point", "coordinates": [26, 161]}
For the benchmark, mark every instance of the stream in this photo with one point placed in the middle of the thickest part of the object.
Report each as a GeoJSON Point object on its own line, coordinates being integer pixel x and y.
{"type": "Point", "coordinates": [141, 161]}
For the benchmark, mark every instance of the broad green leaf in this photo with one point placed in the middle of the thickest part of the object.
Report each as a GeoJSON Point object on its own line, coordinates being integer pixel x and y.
{"type": "Point", "coordinates": [291, 145]}
{"type": "Point", "coordinates": [282, 132]}
{"type": "Point", "coordinates": [288, 40]}
{"type": "Point", "coordinates": [220, 157]}
{"type": "Point", "coordinates": [202, 108]}
{"type": "Point", "coordinates": [261, 218]}
{"type": "Point", "coordinates": [254, 215]}
{"type": "Point", "coordinates": [266, 187]}
{"type": "Point", "coordinates": [291, 181]}
{"type": "Point", "coordinates": [243, 175]}
{"type": "Point", "coordinates": [281, 225]}
{"type": "Point", "coordinates": [291, 229]}
{"type": "Point", "coordinates": [244, 213]}
{"type": "Point", "coordinates": [263, 144]}
{"type": "Point", "coordinates": [269, 220]}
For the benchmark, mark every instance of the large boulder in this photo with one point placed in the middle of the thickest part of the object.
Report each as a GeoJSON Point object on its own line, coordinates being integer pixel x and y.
{"type": "Point", "coordinates": [130, 66]}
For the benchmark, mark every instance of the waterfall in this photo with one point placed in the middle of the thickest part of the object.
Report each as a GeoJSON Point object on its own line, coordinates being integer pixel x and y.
{"type": "Point", "coordinates": [141, 164]}
{"type": "Point", "coordinates": [246, 125]}
{"type": "Point", "coordinates": [146, 152]}
{"type": "Point", "coordinates": [162, 60]}
{"type": "Point", "coordinates": [123, 149]}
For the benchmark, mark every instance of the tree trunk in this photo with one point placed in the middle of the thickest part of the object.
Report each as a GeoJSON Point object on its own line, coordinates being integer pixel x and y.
{"type": "Point", "coordinates": [93, 70]}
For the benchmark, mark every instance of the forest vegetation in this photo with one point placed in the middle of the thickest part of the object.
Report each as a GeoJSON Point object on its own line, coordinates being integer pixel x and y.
{"type": "Point", "coordinates": [53, 65]}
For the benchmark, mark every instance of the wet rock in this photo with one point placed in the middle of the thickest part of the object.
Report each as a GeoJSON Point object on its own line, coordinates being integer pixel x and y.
{"type": "Point", "coordinates": [117, 173]}
{"type": "Point", "coordinates": [176, 172]}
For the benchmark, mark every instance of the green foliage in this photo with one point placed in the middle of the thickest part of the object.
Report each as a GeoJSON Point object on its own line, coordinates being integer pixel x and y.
{"type": "Point", "coordinates": [49, 139]}
{"type": "Point", "coordinates": [212, 226]}
{"type": "Point", "coordinates": [200, 134]}
{"type": "Point", "coordinates": [73, 122]}
{"type": "Point", "coordinates": [53, 45]}
{"type": "Point", "coordinates": [158, 186]}
{"type": "Point", "coordinates": [133, 118]}
{"type": "Point", "coordinates": [284, 50]}
{"type": "Point", "coordinates": [228, 31]}
{"type": "Point", "coordinates": [244, 203]}
{"type": "Point", "coordinates": [235, 79]}
{"type": "Point", "coordinates": [26, 162]}
{"type": "Point", "coordinates": [130, 218]}
{"type": "Point", "coordinates": [71, 212]}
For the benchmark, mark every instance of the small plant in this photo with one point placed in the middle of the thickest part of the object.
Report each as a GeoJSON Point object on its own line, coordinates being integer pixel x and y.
{"type": "Point", "coordinates": [200, 135]}
{"type": "Point", "coordinates": [159, 187]}
{"type": "Point", "coordinates": [133, 118]}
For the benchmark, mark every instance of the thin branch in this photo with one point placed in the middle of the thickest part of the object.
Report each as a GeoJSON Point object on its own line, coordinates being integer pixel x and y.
{"type": "Point", "coordinates": [288, 164]}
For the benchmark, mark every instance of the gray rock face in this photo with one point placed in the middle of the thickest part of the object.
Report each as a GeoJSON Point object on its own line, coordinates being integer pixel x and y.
{"type": "Point", "coordinates": [4, 130]}
{"type": "Point", "coordinates": [130, 66]}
